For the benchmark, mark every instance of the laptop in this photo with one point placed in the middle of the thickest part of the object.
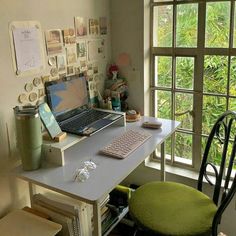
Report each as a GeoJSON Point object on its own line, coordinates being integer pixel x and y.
{"type": "Point", "coordinates": [68, 99]}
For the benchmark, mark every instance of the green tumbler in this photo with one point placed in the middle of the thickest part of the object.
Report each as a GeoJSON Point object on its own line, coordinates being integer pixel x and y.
{"type": "Point", "coordinates": [29, 136]}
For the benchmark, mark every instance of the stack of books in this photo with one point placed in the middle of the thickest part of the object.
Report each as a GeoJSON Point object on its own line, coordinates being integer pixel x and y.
{"type": "Point", "coordinates": [109, 215]}
{"type": "Point", "coordinates": [74, 216]}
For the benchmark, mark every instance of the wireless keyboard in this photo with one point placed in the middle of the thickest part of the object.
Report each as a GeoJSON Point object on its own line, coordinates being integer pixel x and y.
{"type": "Point", "coordinates": [126, 143]}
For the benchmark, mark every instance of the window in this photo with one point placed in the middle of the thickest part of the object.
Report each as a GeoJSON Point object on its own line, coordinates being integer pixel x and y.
{"type": "Point", "coordinates": [193, 70]}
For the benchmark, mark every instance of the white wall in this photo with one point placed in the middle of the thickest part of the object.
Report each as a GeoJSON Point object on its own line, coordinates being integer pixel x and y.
{"type": "Point", "coordinates": [130, 36]}
{"type": "Point", "coordinates": [53, 14]}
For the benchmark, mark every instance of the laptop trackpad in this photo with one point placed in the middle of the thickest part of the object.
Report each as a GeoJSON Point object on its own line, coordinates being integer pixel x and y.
{"type": "Point", "coordinates": [97, 126]}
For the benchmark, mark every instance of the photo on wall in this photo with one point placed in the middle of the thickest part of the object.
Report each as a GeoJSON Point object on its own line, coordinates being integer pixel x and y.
{"type": "Point", "coordinates": [103, 25]}
{"type": "Point", "coordinates": [71, 55]}
{"type": "Point", "coordinates": [93, 27]}
{"type": "Point", "coordinates": [81, 47]}
{"type": "Point", "coordinates": [61, 62]}
{"type": "Point", "coordinates": [54, 41]}
{"type": "Point", "coordinates": [80, 26]}
{"type": "Point", "coordinates": [69, 36]}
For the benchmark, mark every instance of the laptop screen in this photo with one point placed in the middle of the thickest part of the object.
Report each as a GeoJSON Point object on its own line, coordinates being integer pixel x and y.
{"type": "Point", "coordinates": [67, 94]}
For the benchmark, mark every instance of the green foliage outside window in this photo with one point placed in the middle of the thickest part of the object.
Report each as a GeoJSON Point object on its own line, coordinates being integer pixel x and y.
{"type": "Point", "coordinates": [219, 79]}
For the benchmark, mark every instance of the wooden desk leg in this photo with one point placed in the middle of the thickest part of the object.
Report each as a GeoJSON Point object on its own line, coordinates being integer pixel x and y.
{"type": "Point", "coordinates": [31, 192]}
{"type": "Point", "coordinates": [163, 162]}
{"type": "Point", "coordinates": [97, 231]}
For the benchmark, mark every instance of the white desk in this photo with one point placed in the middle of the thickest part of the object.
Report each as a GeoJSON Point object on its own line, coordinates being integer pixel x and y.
{"type": "Point", "coordinates": [109, 171]}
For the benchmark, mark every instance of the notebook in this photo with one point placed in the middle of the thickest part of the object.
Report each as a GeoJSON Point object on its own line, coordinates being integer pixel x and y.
{"type": "Point", "coordinates": [68, 99]}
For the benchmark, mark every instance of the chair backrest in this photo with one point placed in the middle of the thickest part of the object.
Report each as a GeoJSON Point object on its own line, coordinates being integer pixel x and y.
{"type": "Point", "coordinates": [221, 141]}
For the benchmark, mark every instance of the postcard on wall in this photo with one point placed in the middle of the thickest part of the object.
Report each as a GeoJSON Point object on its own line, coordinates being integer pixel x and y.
{"type": "Point", "coordinates": [96, 50]}
{"type": "Point", "coordinates": [27, 48]}
{"type": "Point", "coordinates": [81, 47]}
{"type": "Point", "coordinates": [93, 27]}
{"type": "Point", "coordinates": [61, 62]}
{"type": "Point", "coordinates": [69, 36]}
{"type": "Point", "coordinates": [54, 41]}
{"type": "Point", "coordinates": [103, 25]}
{"type": "Point", "coordinates": [80, 26]}
{"type": "Point", "coordinates": [71, 55]}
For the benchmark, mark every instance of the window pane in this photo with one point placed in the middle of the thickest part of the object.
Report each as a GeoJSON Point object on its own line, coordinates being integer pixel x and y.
{"type": "Point", "coordinates": [168, 149]}
{"type": "Point", "coordinates": [163, 104]}
{"type": "Point", "coordinates": [213, 107]}
{"type": "Point", "coordinates": [217, 24]}
{"type": "Point", "coordinates": [163, 72]}
{"type": "Point", "coordinates": [162, 26]}
{"type": "Point", "coordinates": [215, 151]}
{"type": "Point", "coordinates": [184, 72]}
{"type": "Point", "coordinates": [232, 81]}
{"type": "Point", "coordinates": [183, 109]}
{"type": "Point", "coordinates": [215, 74]}
{"type": "Point", "coordinates": [183, 148]}
{"type": "Point", "coordinates": [186, 33]}
{"type": "Point", "coordinates": [232, 104]}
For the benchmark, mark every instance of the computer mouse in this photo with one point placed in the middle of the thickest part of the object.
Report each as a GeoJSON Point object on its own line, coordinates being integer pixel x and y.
{"type": "Point", "coordinates": [153, 125]}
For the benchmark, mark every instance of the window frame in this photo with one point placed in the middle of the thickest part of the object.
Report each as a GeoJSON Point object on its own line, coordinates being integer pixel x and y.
{"type": "Point", "coordinates": [198, 53]}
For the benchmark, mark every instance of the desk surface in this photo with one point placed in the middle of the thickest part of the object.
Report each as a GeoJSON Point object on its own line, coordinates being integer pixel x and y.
{"type": "Point", "coordinates": [109, 171]}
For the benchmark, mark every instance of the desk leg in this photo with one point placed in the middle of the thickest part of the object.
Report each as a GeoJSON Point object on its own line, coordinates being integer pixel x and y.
{"type": "Point", "coordinates": [163, 162]}
{"type": "Point", "coordinates": [97, 220]}
{"type": "Point", "coordinates": [31, 192]}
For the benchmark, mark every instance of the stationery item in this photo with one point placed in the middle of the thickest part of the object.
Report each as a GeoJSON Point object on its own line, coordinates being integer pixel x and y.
{"type": "Point", "coordinates": [69, 101]}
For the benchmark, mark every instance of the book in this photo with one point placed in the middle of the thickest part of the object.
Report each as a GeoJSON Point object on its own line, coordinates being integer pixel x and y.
{"type": "Point", "coordinates": [64, 221]}
{"type": "Point", "coordinates": [70, 207]}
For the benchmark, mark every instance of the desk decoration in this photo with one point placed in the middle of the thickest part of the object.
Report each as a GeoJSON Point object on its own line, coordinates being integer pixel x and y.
{"type": "Point", "coordinates": [82, 174]}
{"type": "Point", "coordinates": [50, 123]}
{"type": "Point", "coordinates": [132, 116]}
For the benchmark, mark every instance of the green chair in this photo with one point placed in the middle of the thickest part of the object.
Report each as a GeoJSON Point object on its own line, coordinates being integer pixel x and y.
{"type": "Point", "coordinates": [168, 208]}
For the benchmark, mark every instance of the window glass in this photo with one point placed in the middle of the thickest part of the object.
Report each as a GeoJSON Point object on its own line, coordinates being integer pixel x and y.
{"type": "Point", "coordinates": [215, 74]}
{"type": "Point", "coordinates": [163, 26]}
{"type": "Point", "coordinates": [183, 148]}
{"type": "Point", "coordinates": [186, 32]}
{"type": "Point", "coordinates": [217, 24]}
{"type": "Point", "coordinates": [184, 72]}
{"type": "Point", "coordinates": [163, 104]}
{"type": "Point", "coordinates": [213, 107]}
{"type": "Point", "coordinates": [183, 109]}
{"type": "Point", "coordinates": [163, 71]}
{"type": "Point", "coordinates": [232, 81]}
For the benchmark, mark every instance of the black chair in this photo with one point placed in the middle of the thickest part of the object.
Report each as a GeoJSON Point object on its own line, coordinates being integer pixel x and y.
{"type": "Point", "coordinates": [168, 208]}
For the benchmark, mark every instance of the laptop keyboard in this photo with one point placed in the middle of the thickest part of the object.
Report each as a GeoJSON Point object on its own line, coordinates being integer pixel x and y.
{"type": "Point", "coordinates": [84, 120]}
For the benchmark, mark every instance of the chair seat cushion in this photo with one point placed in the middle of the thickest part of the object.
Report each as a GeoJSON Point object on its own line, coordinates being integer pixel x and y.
{"type": "Point", "coordinates": [168, 208]}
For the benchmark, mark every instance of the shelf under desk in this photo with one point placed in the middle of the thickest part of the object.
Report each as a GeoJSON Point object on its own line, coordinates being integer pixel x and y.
{"type": "Point", "coordinates": [109, 172]}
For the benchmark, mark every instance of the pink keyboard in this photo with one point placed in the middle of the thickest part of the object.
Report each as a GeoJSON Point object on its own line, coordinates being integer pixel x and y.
{"type": "Point", "coordinates": [126, 143]}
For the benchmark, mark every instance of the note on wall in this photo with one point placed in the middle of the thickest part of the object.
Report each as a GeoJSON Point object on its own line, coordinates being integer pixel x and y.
{"type": "Point", "coordinates": [27, 47]}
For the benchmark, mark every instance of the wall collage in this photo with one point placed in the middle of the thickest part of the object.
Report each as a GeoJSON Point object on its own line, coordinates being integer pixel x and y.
{"type": "Point", "coordinates": [70, 51]}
